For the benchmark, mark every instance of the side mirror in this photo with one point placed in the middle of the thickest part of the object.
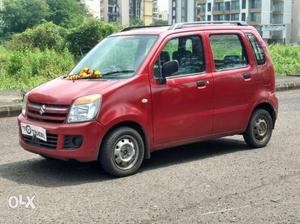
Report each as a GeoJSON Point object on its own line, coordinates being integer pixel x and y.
{"type": "Point", "coordinates": [169, 68]}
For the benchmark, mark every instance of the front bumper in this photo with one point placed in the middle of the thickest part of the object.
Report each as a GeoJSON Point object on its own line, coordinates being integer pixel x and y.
{"type": "Point", "coordinates": [92, 133]}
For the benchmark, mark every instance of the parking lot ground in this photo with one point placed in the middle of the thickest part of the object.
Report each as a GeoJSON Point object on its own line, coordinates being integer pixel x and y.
{"type": "Point", "coordinates": [218, 181]}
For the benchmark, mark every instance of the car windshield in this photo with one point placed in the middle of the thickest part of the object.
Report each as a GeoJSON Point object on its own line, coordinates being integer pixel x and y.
{"type": "Point", "coordinates": [117, 56]}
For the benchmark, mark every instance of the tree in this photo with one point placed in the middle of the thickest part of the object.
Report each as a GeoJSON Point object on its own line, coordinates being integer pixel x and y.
{"type": "Point", "coordinates": [66, 13]}
{"type": "Point", "coordinates": [43, 36]}
{"type": "Point", "coordinates": [17, 15]}
{"type": "Point", "coordinates": [83, 38]}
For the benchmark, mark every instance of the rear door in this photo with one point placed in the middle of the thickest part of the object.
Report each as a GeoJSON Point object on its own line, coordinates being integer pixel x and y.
{"type": "Point", "coordinates": [233, 75]}
{"type": "Point", "coordinates": [182, 107]}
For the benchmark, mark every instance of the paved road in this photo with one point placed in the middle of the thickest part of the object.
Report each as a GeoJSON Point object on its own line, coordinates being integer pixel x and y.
{"type": "Point", "coordinates": [218, 181]}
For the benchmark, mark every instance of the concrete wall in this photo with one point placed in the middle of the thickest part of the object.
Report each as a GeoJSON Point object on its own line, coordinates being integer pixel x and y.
{"type": "Point", "coordinates": [190, 13]}
{"type": "Point", "coordinates": [148, 12]}
{"type": "Point", "coordinates": [124, 12]}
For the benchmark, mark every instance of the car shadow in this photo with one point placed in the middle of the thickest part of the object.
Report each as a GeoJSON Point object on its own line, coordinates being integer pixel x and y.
{"type": "Point", "coordinates": [54, 173]}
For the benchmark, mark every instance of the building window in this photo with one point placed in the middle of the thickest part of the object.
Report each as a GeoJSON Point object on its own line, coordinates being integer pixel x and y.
{"type": "Point", "coordinates": [255, 17]}
{"type": "Point", "coordinates": [277, 19]}
{"type": "Point", "coordinates": [243, 4]}
{"type": "Point", "coordinates": [209, 18]}
{"type": "Point", "coordinates": [243, 16]}
{"type": "Point", "coordinates": [227, 17]}
{"type": "Point", "coordinates": [277, 6]}
{"type": "Point", "coordinates": [200, 8]}
{"type": "Point", "coordinates": [219, 6]}
{"type": "Point", "coordinates": [235, 17]}
{"type": "Point", "coordinates": [218, 17]}
{"type": "Point", "coordinates": [235, 5]}
{"type": "Point", "coordinates": [227, 6]}
{"type": "Point", "coordinates": [174, 4]}
{"type": "Point", "coordinates": [254, 4]}
{"type": "Point", "coordinates": [209, 7]}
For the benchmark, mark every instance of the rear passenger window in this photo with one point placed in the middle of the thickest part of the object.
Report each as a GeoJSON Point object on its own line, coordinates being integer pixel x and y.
{"type": "Point", "coordinates": [228, 51]}
{"type": "Point", "coordinates": [188, 51]}
{"type": "Point", "coordinates": [257, 49]}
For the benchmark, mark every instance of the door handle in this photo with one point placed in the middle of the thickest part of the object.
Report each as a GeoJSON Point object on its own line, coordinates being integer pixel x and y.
{"type": "Point", "coordinates": [247, 76]}
{"type": "Point", "coordinates": [202, 83]}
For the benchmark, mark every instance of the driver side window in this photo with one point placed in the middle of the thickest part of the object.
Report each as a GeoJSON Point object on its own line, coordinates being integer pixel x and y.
{"type": "Point", "coordinates": [187, 51]}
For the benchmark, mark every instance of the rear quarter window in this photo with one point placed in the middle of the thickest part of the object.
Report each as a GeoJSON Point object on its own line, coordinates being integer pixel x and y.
{"type": "Point", "coordinates": [257, 49]}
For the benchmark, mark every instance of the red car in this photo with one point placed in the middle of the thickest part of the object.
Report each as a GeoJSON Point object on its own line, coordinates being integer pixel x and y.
{"type": "Point", "coordinates": [149, 88]}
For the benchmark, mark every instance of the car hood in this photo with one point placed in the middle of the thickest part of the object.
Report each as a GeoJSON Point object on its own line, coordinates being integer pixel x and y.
{"type": "Point", "coordinates": [60, 91]}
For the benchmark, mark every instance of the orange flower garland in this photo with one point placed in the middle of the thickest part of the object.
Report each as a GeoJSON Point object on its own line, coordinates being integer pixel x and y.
{"type": "Point", "coordinates": [84, 74]}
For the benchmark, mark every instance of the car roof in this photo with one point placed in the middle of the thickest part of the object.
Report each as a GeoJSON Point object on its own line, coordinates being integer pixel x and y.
{"type": "Point", "coordinates": [178, 28]}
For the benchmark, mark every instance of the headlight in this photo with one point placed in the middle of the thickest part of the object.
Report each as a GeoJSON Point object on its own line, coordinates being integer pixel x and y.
{"type": "Point", "coordinates": [85, 108]}
{"type": "Point", "coordinates": [24, 104]}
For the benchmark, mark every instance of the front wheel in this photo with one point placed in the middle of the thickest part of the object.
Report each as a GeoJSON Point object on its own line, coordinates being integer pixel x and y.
{"type": "Point", "coordinates": [259, 130]}
{"type": "Point", "coordinates": [122, 152]}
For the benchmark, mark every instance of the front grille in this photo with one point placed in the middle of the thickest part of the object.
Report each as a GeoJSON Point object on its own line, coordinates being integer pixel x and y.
{"type": "Point", "coordinates": [51, 113]}
{"type": "Point", "coordinates": [51, 142]}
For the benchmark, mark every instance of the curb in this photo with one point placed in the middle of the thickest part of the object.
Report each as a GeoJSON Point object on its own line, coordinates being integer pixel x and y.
{"type": "Point", "coordinates": [10, 111]}
{"type": "Point", "coordinates": [288, 86]}
{"type": "Point", "coordinates": [14, 110]}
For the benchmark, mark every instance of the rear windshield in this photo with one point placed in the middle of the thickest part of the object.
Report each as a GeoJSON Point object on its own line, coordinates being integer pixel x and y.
{"type": "Point", "coordinates": [117, 56]}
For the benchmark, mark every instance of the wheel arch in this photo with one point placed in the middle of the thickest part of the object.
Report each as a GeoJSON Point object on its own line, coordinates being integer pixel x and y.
{"type": "Point", "coordinates": [136, 126]}
{"type": "Point", "coordinates": [268, 107]}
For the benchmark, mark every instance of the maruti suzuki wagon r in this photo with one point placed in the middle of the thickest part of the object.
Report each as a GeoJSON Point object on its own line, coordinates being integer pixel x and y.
{"type": "Point", "coordinates": [149, 88]}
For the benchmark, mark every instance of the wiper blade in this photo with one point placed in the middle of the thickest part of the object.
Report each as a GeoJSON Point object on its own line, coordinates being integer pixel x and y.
{"type": "Point", "coordinates": [118, 71]}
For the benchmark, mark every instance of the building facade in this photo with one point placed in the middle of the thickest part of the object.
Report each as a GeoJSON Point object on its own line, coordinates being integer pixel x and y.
{"type": "Point", "coordinates": [121, 11]}
{"type": "Point", "coordinates": [147, 12]}
{"type": "Point", "coordinates": [181, 11]}
{"type": "Point", "coordinates": [272, 18]}
{"type": "Point", "coordinates": [295, 34]}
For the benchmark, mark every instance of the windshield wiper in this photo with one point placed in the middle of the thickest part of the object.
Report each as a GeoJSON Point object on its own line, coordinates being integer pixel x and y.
{"type": "Point", "coordinates": [118, 71]}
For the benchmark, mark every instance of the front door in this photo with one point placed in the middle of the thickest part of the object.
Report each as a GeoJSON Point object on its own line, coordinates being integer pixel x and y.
{"type": "Point", "coordinates": [182, 107]}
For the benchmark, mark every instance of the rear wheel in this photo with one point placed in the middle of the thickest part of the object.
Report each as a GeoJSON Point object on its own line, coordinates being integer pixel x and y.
{"type": "Point", "coordinates": [259, 130]}
{"type": "Point", "coordinates": [122, 152]}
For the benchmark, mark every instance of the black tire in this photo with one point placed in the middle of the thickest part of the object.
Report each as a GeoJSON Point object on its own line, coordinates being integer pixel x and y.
{"type": "Point", "coordinates": [259, 130]}
{"type": "Point", "coordinates": [47, 157]}
{"type": "Point", "coordinates": [120, 145]}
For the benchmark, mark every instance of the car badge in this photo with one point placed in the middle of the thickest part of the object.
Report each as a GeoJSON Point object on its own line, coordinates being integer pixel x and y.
{"type": "Point", "coordinates": [42, 110]}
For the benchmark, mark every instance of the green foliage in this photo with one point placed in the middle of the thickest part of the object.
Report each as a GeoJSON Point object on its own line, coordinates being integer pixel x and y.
{"type": "Point", "coordinates": [136, 22]}
{"type": "Point", "coordinates": [46, 35]}
{"type": "Point", "coordinates": [66, 13]}
{"type": "Point", "coordinates": [29, 68]}
{"type": "Point", "coordinates": [17, 15]}
{"type": "Point", "coordinates": [286, 59]}
{"type": "Point", "coordinates": [160, 22]}
{"type": "Point", "coordinates": [83, 38]}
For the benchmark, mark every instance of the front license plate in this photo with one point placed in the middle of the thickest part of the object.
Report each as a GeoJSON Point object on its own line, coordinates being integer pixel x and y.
{"type": "Point", "coordinates": [34, 131]}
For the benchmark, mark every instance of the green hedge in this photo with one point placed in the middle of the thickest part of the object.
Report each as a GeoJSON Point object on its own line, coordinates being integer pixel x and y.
{"type": "Point", "coordinates": [82, 39]}
{"type": "Point", "coordinates": [286, 59]}
{"type": "Point", "coordinates": [46, 35]}
{"type": "Point", "coordinates": [29, 68]}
